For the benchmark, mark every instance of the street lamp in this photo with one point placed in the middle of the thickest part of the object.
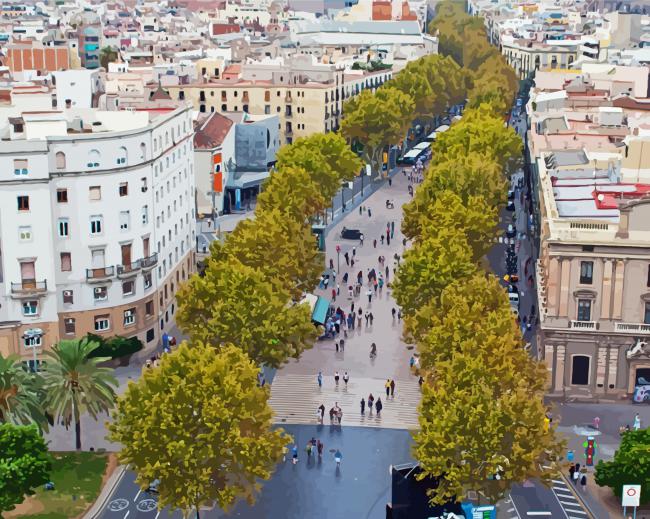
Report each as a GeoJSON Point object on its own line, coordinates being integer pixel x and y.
{"type": "Point", "coordinates": [32, 338]}
{"type": "Point", "coordinates": [338, 259]}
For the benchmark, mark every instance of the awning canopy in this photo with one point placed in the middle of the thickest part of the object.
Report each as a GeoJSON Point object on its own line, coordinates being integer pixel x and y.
{"type": "Point", "coordinates": [319, 306]}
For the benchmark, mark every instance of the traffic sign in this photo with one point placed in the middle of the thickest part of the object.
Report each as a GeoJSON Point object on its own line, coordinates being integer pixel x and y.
{"type": "Point", "coordinates": [631, 495]}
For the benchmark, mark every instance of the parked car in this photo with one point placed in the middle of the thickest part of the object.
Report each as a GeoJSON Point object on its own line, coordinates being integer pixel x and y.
{"type": "Point", "coordinates": [351, 234]}
{"type": "Point", "coordinates": [510, 206]}
{"type": "Point", "coordinates": [511, 194]}
{"type": "Point", "coordinates": [512, 289]}
{"type": "Point", "coordinates": [511, 231]}
{"type": "Point", "coordinates": [641, 394]}
{"type": "Point", "coordinates": [153, 486]}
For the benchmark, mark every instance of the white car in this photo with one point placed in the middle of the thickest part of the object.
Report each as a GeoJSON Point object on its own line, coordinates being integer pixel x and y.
{"type": "Point", "coordinates": [641, 394]}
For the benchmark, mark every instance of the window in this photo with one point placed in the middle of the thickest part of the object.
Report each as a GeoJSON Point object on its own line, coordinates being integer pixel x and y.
{"type": "Point", "coordinates": [20, 167]}
{"type": "Point", "coordinates": [64, 227]}
{"type": "Point", "coordinates": [95, 193]}
{"type": "Point", "coordinates": [100, 293]}
{"type": "Point", "coordinates": [60, 160]}
{"type": "Point", "coordinates": [25, 233]}
{"type": "Point", "coordinates": [124, 220]}
{"type": "Point", "coordinates": [93, 159]}
{"type": "Point", "coordinates": [66, 262]}
{"type": "Point", "coordinates": [121, 156]}
{"type": "Point", "coordinates": [69, 325]}
{"type": "Point", "coordinates": [584, 309]}
{"type": "Point", "coordinates": [33, 341]}
{"type": "Point", "coordinates": [102, 323]}
{"type": "Point", "coordinates": [646, 314]}
{"type": "Point", "coordinates": [62, 196]}
{"type": "Point", "coordinates": [23, 203]}
{"type": "Point", "coordinates": [143, 151]}
{"type": "Point", "coordinates": [147, 280]}
{"type": "Point", "coordinates": [145, 215]}
{"type": "Point", "coordinates": [124, 188]}
{"type": "Point", "coordinates": [586, 272]}
{"type": "Point", "coordinates": [128, 288]}
{"type": "Point", "coordinates": [68, 296]}
{"type": "Point", "coordinates": [30, 307]}
{"type": "Point", "coordinates": [144, 184]}
{"type": "Point", "coordinates": [129, 317]}
{"type": "Point", "coordinates": [96, 224]}
{"type": "Point", "coordinates": [148, 308]}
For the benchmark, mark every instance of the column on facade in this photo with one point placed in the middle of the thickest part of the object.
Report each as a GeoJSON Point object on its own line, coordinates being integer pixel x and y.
{"type": "Point", "coordinates": [552, 283]}
{"type": "Point", "coordinates": [606, 292]}
{"type": "Point", "coordinates": [560, 354]}
{"type": "Point", "coordinates": [612, 367]}
{"type": "Point", "coordinates": [563, 308]}
{"type": "Point", "coordinates": [619, 276]}
{"type": "Point", "coordinates": [549, 360]}
{"type": "Point", "coordinates": [601, 366]}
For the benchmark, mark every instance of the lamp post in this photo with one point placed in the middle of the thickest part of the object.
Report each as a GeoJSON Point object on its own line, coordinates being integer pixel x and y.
{"type": "Point", "coordinates": [338, 259]}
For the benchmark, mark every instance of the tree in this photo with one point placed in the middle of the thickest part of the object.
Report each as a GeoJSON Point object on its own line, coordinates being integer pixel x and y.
{"type": "Point", "coordinates": [74, 384]}
{"type": "Point", "coordinates": [476, 434]}
{"type": "Point", "coordinates": [325, 156]}
{"type": "Point", "coordinates": [377, 121]}
{"type": "Point", "coordinates": [629, 466]}
{"type": "Point", "coordinates": [281, 247]}
{"type": "Point", "coordinates": [199, 424]}
{"type": "Point", "coordinates": [238, 304]}
{"type": "Point", "coordinates": [477, 219]}
{"type": "Point", "coordinates": [430, 265]}
{"type": "Point", "coordinates": [494, 83]}
{"type": "Point", "coordinates": [293, 191]}
{"type": "Point", "coordinates": [20, 398]}
{"type": "Point", "coordinates": [107, 55]}
{"type": "Point", "coordinates": [25, 463]}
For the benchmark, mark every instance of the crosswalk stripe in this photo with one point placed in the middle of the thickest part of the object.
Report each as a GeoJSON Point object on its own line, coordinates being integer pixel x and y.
{"type": "Point", "coordinates": [559, 482]}
{"type": "Point", "coordinates": [295, 399]}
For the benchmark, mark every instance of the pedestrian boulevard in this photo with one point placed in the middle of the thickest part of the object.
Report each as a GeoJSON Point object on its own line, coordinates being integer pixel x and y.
{"type": "Point", "coordinates": [295, 399]}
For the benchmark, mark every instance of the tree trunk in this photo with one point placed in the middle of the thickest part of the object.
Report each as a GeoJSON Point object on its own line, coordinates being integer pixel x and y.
{"type": "Point", "coordinates": [77, 426]}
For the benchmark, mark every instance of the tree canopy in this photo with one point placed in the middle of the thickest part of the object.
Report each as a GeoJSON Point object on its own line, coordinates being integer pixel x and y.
{"type": "Point", "coordinates": [25, 463]}
{"type": "Point", "coordinates": [20, 394]}
{"type": "Point", "coordinates": [200, 425]}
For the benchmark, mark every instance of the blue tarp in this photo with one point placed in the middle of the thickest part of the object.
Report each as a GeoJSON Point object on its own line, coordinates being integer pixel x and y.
{"type": "Point", "coordinates": [320, 310]}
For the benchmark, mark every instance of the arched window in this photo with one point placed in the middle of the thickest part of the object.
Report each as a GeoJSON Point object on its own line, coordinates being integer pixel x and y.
{"type": "Point", "coordinates": [60, 160]}
{"type": "Point", "coordinates": [93, 159]}
{"type": "Point", "coordinates": [121, 156]}
{"type": "Point", "coordinates": [143, 151]}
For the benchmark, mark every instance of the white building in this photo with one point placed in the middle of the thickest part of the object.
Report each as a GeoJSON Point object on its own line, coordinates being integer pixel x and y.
{"type": "Point", "coordinates": [96, 223]}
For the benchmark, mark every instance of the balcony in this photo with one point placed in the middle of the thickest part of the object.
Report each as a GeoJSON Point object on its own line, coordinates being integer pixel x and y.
{"type": "Point", "coordinates": [287, 98]}
{"type": "Point", "coordinates": [99, 274]}
{"type": "Point", "coordinates": [583, 325]}
{"type": "Point", "coordinates": [29, 288]}
{"type": "Point", "coordinates": [149, 262]}
{"type": "Point", "coordinates": [636, 328]}
{"type": "Point", "coordinates": [128, 270]}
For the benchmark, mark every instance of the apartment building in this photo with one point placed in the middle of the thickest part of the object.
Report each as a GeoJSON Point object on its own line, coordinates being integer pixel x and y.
{"type": "Point", "coordinates": [306, 100]}
{"type": "Point", "coordinates": [96, 223]}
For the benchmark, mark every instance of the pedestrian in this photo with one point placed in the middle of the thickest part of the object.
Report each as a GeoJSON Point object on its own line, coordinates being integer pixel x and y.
{"type": "Point", "coordinates": [399, 315]}
{"type": "Point", "coordinates": [369, 213]}
{"type": "Point", "coordinates": [346, 377]}
{"type": "Point", "coordinates": [367, 317]}
{"type": "Point", "coordinates": [337, 455]}
{"type": "Point", "coordinates": [374, 243]}
{"type": "Point", "coordinates": [320, 379]}
{"type": "Point", "coordinates": [637, 422]}
{"type": "Point", "coordinates": [596, 423]}
{"type": "Point", "coordinates": [569, 456]}
{"type": "Point", "coordinates": [379, 406]}
{"type": "Point", "coordinates": [339, 414]}
{"type": "Point", "coordinates": [572, 470]}
{"type": "Point", "coordinates": [361, 237]}
{"type": "Point", "coordinates": [284, 453]}
{"type": "Point", "coordinates": [392, 388]}
{"type": "Point", "coordinates": [336, 378]}
{"type": "Point", "coordinates": [342, 344]}
{"type": "Point", "coordinates": [331, 264]}
{"type": "Point", "coordinates": [363, 406]}
{"type": "Point", "coordinates": [333, 294]}
{"type": "Point", "coordinates": [354, 251]}
{"type": "Point", "coordinates": [359, 318]}
{"type": "Point", "coordinates": [576, 474]}
{"type": "Point", "coordinates": [583, 482]}
{"type": "Point", "coordinates": [321, 408]}
{"type": "Point", "coordinates": [393, 312]}
{"type": "Point", "coordinates": [381, 239]}
{"type": "Point", "coordinates": [369, 294]}
{"type": "Point", "coordinates": [352, 262]}
{"type": "Point", "coordinates": [421, 380]}
{"type": "Point", "coordinates": [388, 240]}
{"type": "Point", "coordinates": [319, 448]}
{"type": "Point", "coordinates": [412, 362]}
{"type": "Point", "coordinates": [390, 181]}
{"type": "Point", "coordinates": [336, 345]}
{"type": "Point", "coordinates": [371, 400]}
{"type": "Point", "coordinates": [387, 386]}
{"type": "Point", "coordinates": [332, 411]}
{"type": "Point", "coordinates": [392, 226]}
{"type": "Point", "coordinates": [352, 308]}
{"type": "Point", "coordinates": [338, 289]}
{"type": "Point", "coordinates": [371, 317]}
{"type": "Point", "coordinates": [360, 209]}
{"type": "Point", "coordinates": [308, 449]}
{"type": "Point", "coordinates": [294, 454]}
{"type": "Point", "coordinates": [347, 258]}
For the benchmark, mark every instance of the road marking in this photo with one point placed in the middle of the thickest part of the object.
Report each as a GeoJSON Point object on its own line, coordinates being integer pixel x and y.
{"type": "Point", "coordinates": [538, 513]}
{"type": "Point", "coordinates": [157, 515]}
{"type": "Point", "coordinates": [510, 510]}
{"type": "Point", "coordinates": [136, 496]}
{"type": "Point", "coordinates": [127, 514]}
{"type": "Point", "coordinates": [515, 506]}
{"type": "Point", "coordinates": [581, 512]}
{"type": "Point", "coordinates": [558, 482]}
{"type": "Point", "coordinates": [570, 503]}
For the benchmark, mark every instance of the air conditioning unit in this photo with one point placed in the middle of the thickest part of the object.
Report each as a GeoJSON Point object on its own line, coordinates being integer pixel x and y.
{"type": "Point", "coordinates": [98, 290]}
{"type": "Point", "coordinates": [144, 189]}
{"type": "Point", "coordinates": [67, 293]}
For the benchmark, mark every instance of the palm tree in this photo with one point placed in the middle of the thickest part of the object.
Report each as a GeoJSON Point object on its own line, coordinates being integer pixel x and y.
{"type": "Point", "coordinates": [75, 384]}
{"type": "Point", "coordinates": [20, 397]}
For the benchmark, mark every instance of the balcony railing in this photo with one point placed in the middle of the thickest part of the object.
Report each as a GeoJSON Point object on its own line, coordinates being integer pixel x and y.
{"type": "Point", "coordinates": [130, 269]}
{"type": "Point", "coordinates": [29, 287]}
{"type": "Point", "coordinates": [149, 261]}
{"type": "Point", "coordinates": [100, 274]}
{"type": "Point", "coordinates": [640, 328]}
{"type": "Point", "coordinates": [583, 325]}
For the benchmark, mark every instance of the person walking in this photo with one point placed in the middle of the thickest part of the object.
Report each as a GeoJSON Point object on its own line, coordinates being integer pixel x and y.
{"type": "Point", "coordinates": [583, 482]}
{"type": "Point", "coordinates": [320, 379]}
{"type": "Point", "coordinates": [294, 454]}
{"type": "Point", "coordinates": [387, 273]}
{"type": "Point", "coordinates": [387, 386]}
{"type": "Point", "coordinates": [346, 377]}
{"type": "Point", "coordinates": [360, 313]}
{"type": "Point", "coordinates": [320, 411]}
{"type": "Point", "coordinates": [336, 378]}
{"type": "Point", "coordinates": [373, 350]}
{"type": "Point", "coordinates": [371, 400]}
{"type": "Point", "coordinates": [363, 406]}
{"type": "Point", "coordinates": [393, 311]}
{"type": "Point", "coordinates": [371, 318]}
{"type": "Point", "coordinates": [597, 423]}
{"type": "Point", "coordinates": [381, 239]}
{"type": "Point", "coordinates": [379, 406]}
{"type": "Point", "coordinates": [354, 251]}
{"type": "Point", "coordinates": [369, 294]}
{"type": "Point", "coordinates": [342, 344]}
{"type": "Point", "coordinates": [374, 243]}
{"type": "Point", "coordinates": [347, 258]}
{"type": "Point", "coordinates": [572, 470]}
{"type": "Point", "coordinates": [319, 448]}
{"type": "Point", "coordinates": [337, 455]}
{"type": "Point", "coordinates": [369, 213]}
{"type": "Point", "coordinates": [399, 315]}
{"type": "Point", "coordinates": [336, 345]}
{"type": "Point", "coordinates": [392, 388]}
{"type": "Point", "coordinates": [576, 474]}
{"type": "Point", "coordinates": [308, 450]}
{"type": "Point", "coordinates": [637, 422]}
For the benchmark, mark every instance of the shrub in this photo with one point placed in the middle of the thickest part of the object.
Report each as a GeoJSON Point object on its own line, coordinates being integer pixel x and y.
{"type": "Point", "coordinates": [115, 346]}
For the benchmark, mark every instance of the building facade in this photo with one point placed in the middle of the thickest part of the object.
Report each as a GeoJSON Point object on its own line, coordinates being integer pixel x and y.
{"type": "Point", "coordinates": [96, 222]}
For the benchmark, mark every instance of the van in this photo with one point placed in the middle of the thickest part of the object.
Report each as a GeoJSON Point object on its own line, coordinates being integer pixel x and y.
{"type": "Point", "coordinates": [514, 299]}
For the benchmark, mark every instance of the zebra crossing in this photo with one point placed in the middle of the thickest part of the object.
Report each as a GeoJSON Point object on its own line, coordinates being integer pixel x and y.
{"type": "Point", "coordinates": [570, 504]}
{"type": "Point", "coordinates": [295, 400]}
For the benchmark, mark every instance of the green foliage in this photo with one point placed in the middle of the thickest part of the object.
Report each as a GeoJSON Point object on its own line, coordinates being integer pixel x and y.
{"type": "Point", "coordinates": [326, 157]}
{"type": "Point", "coordinates": [238, 304]}
{"type": "Point", "coordinates": [630, 465]}
{"type": "Point", "coordinates": [200, 425]}
{"type": "Point", "coordinates": [107, 55]}
{"type": "Point", "coordinates": [494, 83]}
{"type": "Point", "coordinates": [24, 463]}
{"type": "Point", "coordinates": [293, 191]}
{"type": "Point", "coordinates": [74, 384]}
{"type": "Point", "coordinates": [20, 394]}
{"type": "Point", "coordinates": [377, 121]}
{"type": "Point", "coordinates": [114, 347]}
